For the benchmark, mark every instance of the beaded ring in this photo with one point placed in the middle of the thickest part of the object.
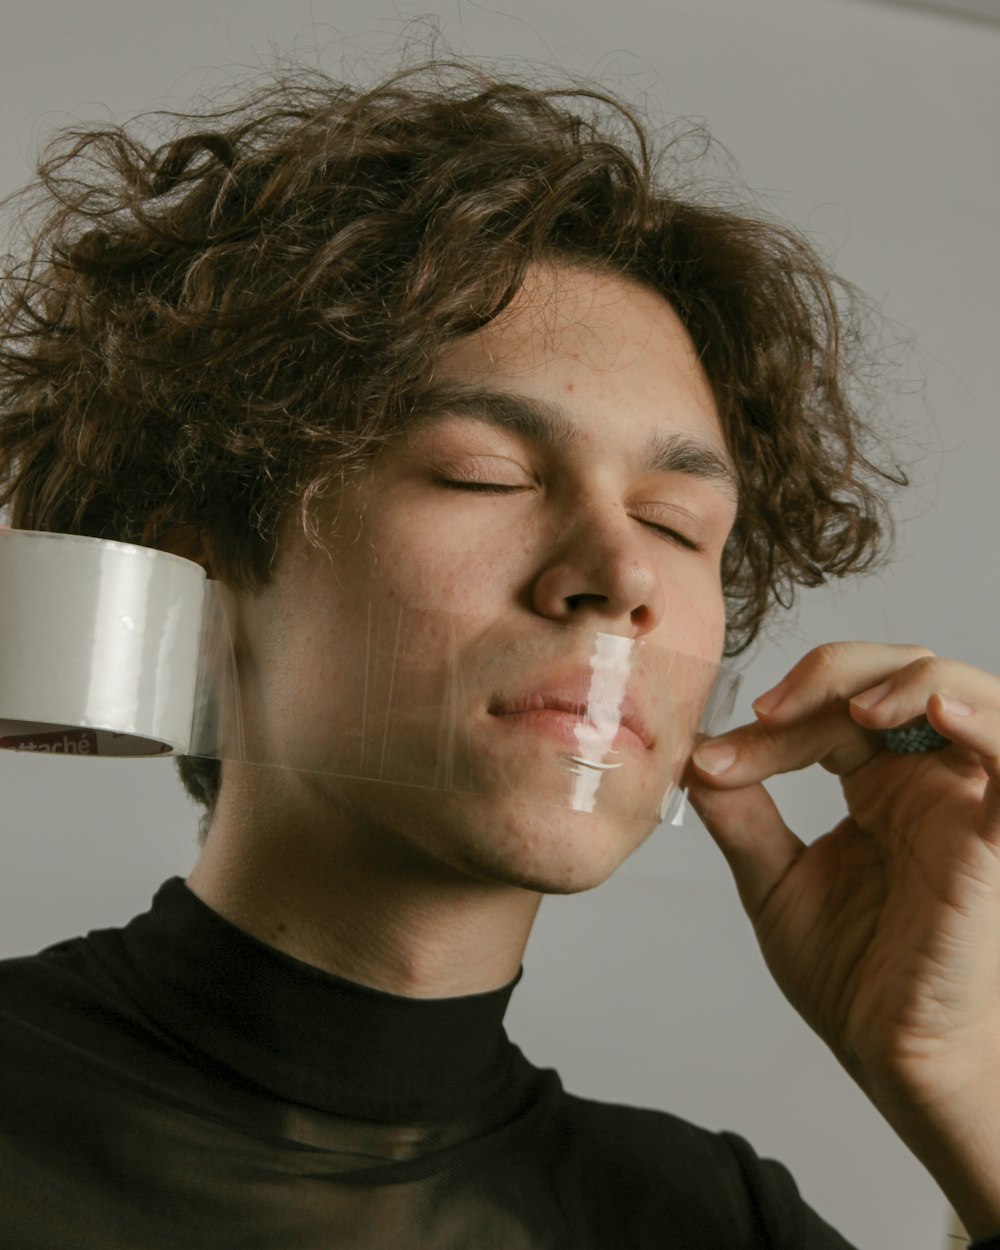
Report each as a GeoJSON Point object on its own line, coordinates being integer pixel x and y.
{"type": "Point", "coordinates": [909, 739]}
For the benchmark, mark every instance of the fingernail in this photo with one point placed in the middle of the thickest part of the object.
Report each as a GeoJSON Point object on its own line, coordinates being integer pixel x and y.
{"type": "Point", "coordinates": [955, 707]}
{"type": "Point", "coordinates": [868, 698]}
{"type": "Point", "coordinates": [770, 699]}
{"type": "Point", "coordinates": [715, 759]}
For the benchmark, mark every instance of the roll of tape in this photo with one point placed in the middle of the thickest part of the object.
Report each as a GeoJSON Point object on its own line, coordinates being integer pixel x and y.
{"type": "Point", "coordinates": [101, 646]}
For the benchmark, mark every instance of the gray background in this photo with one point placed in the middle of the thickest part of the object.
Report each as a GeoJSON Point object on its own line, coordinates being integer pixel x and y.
{"type": "Point", "coordinates": [874, 128]}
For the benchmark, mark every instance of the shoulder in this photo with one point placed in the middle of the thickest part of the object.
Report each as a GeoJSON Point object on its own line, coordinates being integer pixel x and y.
{"type": "Point", "coordinates": [62, 1004]}
{"type": "Point", "coordinates": [64, 971]}
{"type": "Point", "coordinates": [25, 978]}
{"type": "Point", "coordinates": [648, 1147]}
{"type": "Point", "coordinates": [656, 1162]}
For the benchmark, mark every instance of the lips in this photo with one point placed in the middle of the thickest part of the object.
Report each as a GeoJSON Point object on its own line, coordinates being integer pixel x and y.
{"type": "Point", "coordinates": [533, 704]}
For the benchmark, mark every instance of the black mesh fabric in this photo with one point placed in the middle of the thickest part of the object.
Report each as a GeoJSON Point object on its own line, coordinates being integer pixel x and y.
{"type": "Point", "coordinates": [178, 1085]}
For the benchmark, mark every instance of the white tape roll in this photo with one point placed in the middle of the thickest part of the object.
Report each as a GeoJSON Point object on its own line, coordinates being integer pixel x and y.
{"type": "Point", "coordinates": [100, 645]}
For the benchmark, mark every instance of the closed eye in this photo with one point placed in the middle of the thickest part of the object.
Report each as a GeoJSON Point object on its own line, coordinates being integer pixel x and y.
{"type": "Point", "coordinates": [502, 488]}
{"type": "Point", "coordinates": [484, 488]}
{"type": "Point", "coordinates": [672, 535]}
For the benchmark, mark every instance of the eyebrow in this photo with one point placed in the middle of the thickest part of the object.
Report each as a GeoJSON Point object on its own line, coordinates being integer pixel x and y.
{"type": "Point", "coordinates": [549, 425]}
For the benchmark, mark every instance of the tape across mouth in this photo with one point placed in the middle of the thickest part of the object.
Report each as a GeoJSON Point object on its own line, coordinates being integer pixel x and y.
{"type": "Point", "coordinates": [111, 649]}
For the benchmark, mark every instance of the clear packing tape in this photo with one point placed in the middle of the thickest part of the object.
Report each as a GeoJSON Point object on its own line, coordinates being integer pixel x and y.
{"type": "Point", "coordinates": [110, 649]}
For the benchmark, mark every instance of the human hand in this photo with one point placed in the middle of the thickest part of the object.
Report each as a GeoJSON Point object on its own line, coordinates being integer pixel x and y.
{"type": "Point", "coordinates": [885, 932]}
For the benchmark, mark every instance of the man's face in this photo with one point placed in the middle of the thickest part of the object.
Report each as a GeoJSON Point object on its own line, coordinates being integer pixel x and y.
{"type": "Point", "coordinates": [568, 478]}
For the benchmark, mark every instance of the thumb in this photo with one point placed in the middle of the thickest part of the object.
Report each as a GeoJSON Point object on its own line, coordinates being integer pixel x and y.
{"type": "Point", "coordinates": [748, 829]}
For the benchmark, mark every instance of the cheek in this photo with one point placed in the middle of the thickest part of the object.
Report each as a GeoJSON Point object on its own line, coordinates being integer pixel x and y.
{"type": "Point", "coordinates": [445, 563]}
{"type": "Point", "coordinates": [694, 619]}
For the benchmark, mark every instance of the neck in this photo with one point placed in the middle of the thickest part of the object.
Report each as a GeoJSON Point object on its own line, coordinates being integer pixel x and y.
{"type": "Point", "coordinates": [362, 904]}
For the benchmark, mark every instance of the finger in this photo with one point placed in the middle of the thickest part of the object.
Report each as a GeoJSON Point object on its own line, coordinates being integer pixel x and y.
{"type": "Point", "coordinates": [831, 673]}
{"type": "Point", "coordinates": [903, 695]}
{"type": "Point", "coordinates": [755, 752]}
{"type": "Point", "coordinates": [747, 827]}
{"type": "Point", "coordinates": [977, 731]}
{"type": "Point", "coordinates": [827, 735]}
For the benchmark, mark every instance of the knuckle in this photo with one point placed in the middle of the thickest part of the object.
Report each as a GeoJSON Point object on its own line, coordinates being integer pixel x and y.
{"type": "Point", "coordinates": [925, 666]}
{"type": "Point", "coordinates": [830, 668]}
{"type": "Point", "coordinates": [823, 664]}
{"type": "Point", "coordinates": [917, 651]}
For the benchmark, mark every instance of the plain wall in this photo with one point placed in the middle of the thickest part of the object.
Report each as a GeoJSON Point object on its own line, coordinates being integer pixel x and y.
{"type": "Point", "coordinates": [874, 128]}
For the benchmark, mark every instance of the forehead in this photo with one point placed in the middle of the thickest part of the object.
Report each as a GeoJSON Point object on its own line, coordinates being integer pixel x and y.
{"type": "Point", "coordinates": [609, 351]}
{"type": "Point", "coordinates": [567, 310]}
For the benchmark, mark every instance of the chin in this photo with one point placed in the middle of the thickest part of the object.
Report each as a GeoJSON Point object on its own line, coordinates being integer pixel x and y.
{"type": "Point", "coordinates": [529, 842]}
{"type": "Point", "coordinates": [544, 848]}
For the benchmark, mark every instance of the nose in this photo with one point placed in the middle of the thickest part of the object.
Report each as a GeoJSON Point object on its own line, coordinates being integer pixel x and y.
{"type": "Point", "coordinates": [601, 567]}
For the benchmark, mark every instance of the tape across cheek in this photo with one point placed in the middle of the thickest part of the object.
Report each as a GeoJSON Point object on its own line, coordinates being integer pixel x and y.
{"type": "Point", "coordinates": [109, 649]}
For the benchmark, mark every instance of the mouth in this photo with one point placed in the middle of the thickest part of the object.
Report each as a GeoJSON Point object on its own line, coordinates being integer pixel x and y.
{"type": "Point", "coordinates": [575, 722]}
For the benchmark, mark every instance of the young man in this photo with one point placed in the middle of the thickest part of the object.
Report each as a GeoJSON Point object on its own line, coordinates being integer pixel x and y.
{"type": "Point", "coordinates": [448, 348]}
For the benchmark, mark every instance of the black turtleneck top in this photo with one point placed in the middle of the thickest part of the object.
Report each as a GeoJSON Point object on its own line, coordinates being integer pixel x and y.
{"type": "Point", "coordinates": [179, 1085]}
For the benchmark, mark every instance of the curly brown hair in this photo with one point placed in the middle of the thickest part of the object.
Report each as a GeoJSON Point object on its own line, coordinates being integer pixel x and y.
{"type": "Point", "coordinates": [206, 328]}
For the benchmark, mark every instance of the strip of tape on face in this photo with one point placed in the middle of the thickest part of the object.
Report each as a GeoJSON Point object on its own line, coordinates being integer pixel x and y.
{"type": "Point", "coordinates": [523, 713]}
{"type": "Point", "coordinates": [590, 721]}
{"type": "Point", "coordinates": [112, 649]}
